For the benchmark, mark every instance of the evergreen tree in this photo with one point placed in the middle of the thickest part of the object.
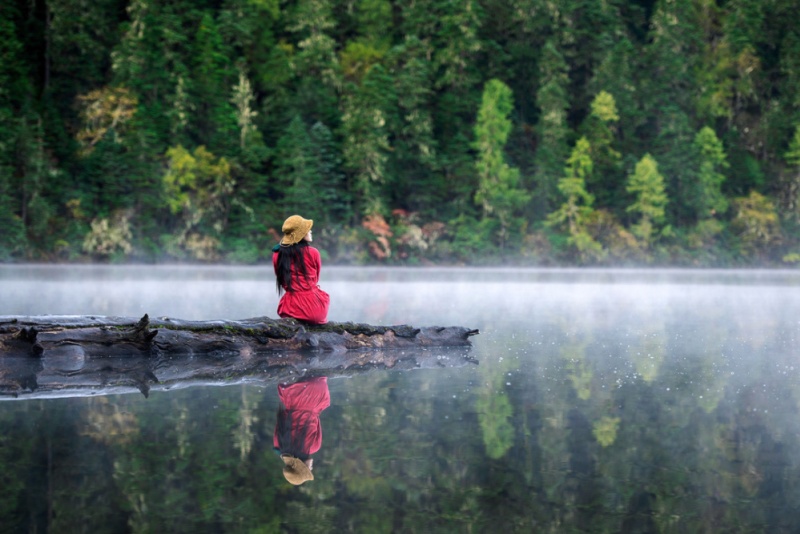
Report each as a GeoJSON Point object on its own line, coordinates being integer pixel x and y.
{"type": "Point", "coordinates": [452, 31]}
{"type": "Point", "coordinates": [499, 191]}
{"type": "Point", "coordinates": [647, 186]}
{"type": "Point", "coordinates": [308, 171]}
{"type": "Point", "coordinates": [214, 120]}
{"type": "Point", "coordinates": [293, 167]}
{"type": "Point", "coordinates": [600, 131]}
{"type": "Point", "coordinates": [316, 69]}
{"type": "Point", "coordinates": [552, 127]}
{"type": "Point", "coordinates": [666, 95]}
{"type": "Point", "coordinates": [330, 188]}
{"type": "Point", "coordinates": [576, 211]}
{"type": "Point", "coordinates": [587, 30]}
{"type": "Point", "coordinates": [708, 199]}
{"type": "Point", "coordinates": [618, 74]}
{"type": "Point", "coordinates": [457, 42]}
{"type": "Point", "coordinates": [418, 185]}
{"type": "Point", "coordinates": [79, 37]}
{"type": "Point", "coordinates": [365, 138]}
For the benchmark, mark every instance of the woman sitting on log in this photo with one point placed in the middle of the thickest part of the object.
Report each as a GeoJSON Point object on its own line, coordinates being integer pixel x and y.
{"type": "Point", "coordinates": [297, 266]}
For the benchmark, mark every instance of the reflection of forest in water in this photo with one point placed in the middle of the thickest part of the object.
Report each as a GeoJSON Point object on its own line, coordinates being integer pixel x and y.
{"type": "Point", "coordinates": [666, 411]}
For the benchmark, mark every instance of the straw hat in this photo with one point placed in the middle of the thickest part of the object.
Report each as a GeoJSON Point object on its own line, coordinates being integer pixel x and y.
{"type": "Point", "coordinates": [295, 470]}
{"type": "Point", "coordinates": [295, 229]}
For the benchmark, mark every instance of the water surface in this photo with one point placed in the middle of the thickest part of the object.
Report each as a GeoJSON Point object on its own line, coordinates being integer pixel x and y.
{"type": "Point", "coordinates": [603, 401]}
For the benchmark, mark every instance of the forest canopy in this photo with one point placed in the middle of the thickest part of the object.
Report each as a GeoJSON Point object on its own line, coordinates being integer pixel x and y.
{"type": "Point", "coordinates": [589, 132]}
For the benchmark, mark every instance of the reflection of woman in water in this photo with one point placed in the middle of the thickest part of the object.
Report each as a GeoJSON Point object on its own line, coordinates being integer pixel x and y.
{"type": "Point", "coordinates": [298, 433]}
{"type": "Point", "coordinates": [297, 266]}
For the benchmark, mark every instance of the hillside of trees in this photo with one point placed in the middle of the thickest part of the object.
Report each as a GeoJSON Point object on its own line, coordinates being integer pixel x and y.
{"type": "Point", "coordinates": [535, 132]}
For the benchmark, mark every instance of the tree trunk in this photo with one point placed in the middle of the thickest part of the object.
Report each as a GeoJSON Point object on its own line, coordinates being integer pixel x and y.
{"type": "Point", "coordinates": [82, 355]}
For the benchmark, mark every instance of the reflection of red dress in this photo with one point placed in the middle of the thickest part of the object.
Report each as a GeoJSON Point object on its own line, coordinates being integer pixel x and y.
{"type": "Point", "coordinates": [306, 301]}
{"type": "Point", "coordinates": [301, 405]}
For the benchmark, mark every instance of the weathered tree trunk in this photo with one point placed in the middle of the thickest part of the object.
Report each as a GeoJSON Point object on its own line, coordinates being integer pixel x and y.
{"type": "Point", "coordinates": [74, 355]}
{"type": "Point", "coordinates": [112, 336]}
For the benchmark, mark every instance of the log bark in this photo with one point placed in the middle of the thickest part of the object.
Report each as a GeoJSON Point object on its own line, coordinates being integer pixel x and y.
{"type": "Point", "coordinates": [82, 355]}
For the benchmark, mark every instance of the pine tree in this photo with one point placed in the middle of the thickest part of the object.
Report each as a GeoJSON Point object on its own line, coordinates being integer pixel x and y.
{"type": "Point", "coordinates": [618, 75]}
{"type": "Point", "coordinates": [330, 188]}
{"type": "Point", "coordinates": [499, 192]}
{"type": "Point", "coordinates": [647, 186]}
{"type": "Point", "coordinates": [316, 81]}
{"type": "Point", "coordinates": [457, 42]}
{"type": "Point", "coordinates": [308, 172]}
{"type": "Point", "coordinates": [600, 131]}
{"type": "Point", "coordinates": [214, 120]}
{"type": "Point", "coordinates": [552, 127]}
{"type": "Point", "coordinates": [365, 144]}
{"type": "Point", "coordinates": [575, 212]}
{"type": "Point", "coordinates": [418, 183]}
{"type": "Point", "coordinates": [666, 94]}
{"type": "Point", "coordinates": [708, 199]}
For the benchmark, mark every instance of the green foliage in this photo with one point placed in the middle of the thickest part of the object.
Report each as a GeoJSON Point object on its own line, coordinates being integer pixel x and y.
{"type": "Point", "coordinates": [93, 95]}
{"type": "Point", "coordinates": [756, 223]}
{"type": "Point", "coordinates": [600, 129]}
{"type": "Point", "coordinates": [457, 42]}
{"type": "Point", "coordinates": [365, 145]}
{"type": "Point", "coordinates": [709, 200]}
{"type": "Point", "coordinates": [552, 127]}
{"type": "Point", "coordinates": [197, 188]}
{"type": "Point", "coordinates": [647, 186]}
{"type": "Point", "coordinates": [498, 191]}
{"type": "Point", "coordinates": [792, 155]}
{"type": "Point", "coordinates": [576, 211]}
{"type": "Point", "coordinates": [109, 237]}
{"type": "Point", "coordinates": [309, 171]}
{"type": "Point", "coordinates": [604, 108]}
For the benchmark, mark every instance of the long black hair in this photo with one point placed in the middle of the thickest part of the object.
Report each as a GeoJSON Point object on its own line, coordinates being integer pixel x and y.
{"type": "Point", "coordinates": [288, 257]}
{"type": "Point", "coordinates": [288, 443]}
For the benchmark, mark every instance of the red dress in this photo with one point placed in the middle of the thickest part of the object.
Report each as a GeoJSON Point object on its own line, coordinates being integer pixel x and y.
{"type": "Point", "coordinates": [306, 301]}
{"type": "Point", "coordinates": [298, 431]}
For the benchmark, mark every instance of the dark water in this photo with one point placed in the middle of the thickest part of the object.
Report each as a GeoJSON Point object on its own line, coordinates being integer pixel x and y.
{"type": "Point", "coordinates": [604, 401]}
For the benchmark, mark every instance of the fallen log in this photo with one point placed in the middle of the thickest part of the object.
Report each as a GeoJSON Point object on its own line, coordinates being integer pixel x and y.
{"type": "Point", "coordinates": [68, 355]}
{"type": "Point", "coordinates": [100, 336]}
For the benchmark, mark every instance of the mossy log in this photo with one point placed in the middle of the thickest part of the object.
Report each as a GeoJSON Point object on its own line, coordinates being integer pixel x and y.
{"type": "Point", "coordinates": [79, 355]}
{"type": "Point", "coordinates": [111, 336]}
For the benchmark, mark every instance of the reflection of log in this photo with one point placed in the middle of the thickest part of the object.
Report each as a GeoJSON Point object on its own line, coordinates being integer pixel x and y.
{"type": "Point", "coordinates": [91, 354]}
{"type": "Point", "coordinates": [63, 375]}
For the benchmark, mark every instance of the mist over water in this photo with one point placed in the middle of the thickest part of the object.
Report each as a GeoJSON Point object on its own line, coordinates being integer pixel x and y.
{"type": "Point", "coordinates": [604, 400]}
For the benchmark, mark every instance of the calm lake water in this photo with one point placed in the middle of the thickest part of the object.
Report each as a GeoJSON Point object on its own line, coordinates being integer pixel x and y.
{"type": "Point", "coordinates": [602, 401]}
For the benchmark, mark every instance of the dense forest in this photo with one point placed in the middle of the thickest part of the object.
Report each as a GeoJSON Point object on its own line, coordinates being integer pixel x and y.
{"type": "Point", "coordinates": [539, 132]}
